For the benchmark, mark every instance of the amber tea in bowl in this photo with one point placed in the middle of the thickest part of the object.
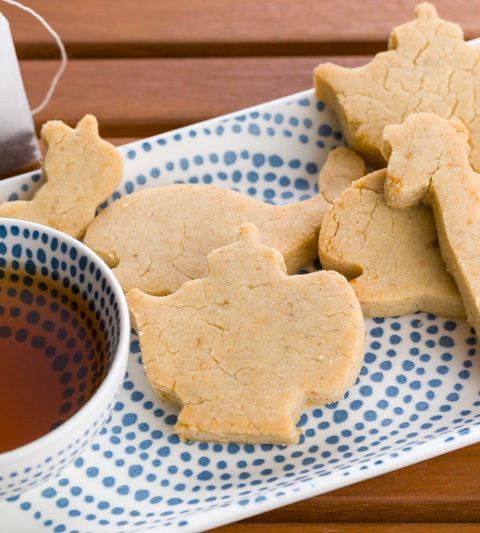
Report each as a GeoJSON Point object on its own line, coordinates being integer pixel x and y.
{"type": "Point", "coordinates": [52, 354]}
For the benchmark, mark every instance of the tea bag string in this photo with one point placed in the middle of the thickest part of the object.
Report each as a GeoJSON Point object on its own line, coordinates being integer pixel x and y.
{"type": "Point", "coordinates": [63, 53]}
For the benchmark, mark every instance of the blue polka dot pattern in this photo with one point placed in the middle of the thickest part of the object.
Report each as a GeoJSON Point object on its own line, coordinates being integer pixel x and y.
{"type": "Point", "coordinates": [415, 395]}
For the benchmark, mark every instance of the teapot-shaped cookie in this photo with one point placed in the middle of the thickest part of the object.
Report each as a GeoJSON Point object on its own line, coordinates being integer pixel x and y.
{"type": "Point", "coordinates": [157, 239]}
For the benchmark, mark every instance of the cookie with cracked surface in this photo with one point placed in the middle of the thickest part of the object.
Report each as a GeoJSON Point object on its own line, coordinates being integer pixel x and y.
{"type": "Point", "coordinates": [428, 162]}
{"type": "Point", "coordinates": [157, 239]}
{"type": "Point", "coordinates": [390, 256]}
{"type": "Point", "coordinates": [244, 350]}
{"type": "Point", "coordinates": [81, 171]}
{"type": "Point", "coordinates": [428, 68]}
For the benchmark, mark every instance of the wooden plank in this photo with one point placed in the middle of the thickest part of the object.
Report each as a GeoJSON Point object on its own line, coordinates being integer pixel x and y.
{"type": "Point", "coordinates": [136, 98]}
{"type": "Point", "coordinates": [114, 28]}
{"type": "Point", "coordinates": [443, 489]}
{"type": "Point", "coordinates": [348, 528]}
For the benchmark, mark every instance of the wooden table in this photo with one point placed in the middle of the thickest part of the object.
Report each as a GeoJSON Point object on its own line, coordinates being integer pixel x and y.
{"type": "Point", "coordinates": [143, 67]}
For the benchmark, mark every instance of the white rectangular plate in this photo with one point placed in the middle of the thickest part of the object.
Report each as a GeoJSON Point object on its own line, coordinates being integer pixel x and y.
{"type": "Point", "coordinates": [417, 395]}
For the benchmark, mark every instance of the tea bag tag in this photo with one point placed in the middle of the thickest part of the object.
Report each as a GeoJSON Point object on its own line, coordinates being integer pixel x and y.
{"type": "Point", "coordinates": [18, 142]}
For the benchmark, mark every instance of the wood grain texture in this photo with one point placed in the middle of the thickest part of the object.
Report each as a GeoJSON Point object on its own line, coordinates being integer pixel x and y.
{"type": "Point", "coordinates": [348, 528]}
{"type": "Point", "coordinates": [147, 96]}
{"type": "Point", "coordinates": [443, 489]}
{"type": "Point", "coordinates": [113, 28]}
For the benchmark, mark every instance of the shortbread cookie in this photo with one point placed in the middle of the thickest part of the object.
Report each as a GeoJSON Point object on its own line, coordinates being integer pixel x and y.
{"type": "Point", "coordinates": [428, 67]}
{"type": "Point", "coordinates": [81, 172]}
{"type": "Point", "coordinates": [342, 167]}
{"type": "Point", "coordinates": [428, 161]}
{"type": "Point", "coordinates": [157, 239]}
{"type": "Point", "coordinates": [392, 255]}
{"type": "Point", "coordinates": [244, 350]}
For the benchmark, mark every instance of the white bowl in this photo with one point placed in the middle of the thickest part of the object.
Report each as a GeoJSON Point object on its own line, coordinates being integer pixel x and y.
{"type": "Point", "coordinates": [56, 255]}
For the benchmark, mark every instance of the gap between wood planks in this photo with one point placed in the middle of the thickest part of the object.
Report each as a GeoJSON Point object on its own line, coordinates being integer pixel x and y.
{"type": "Point", "coordinates": [138, 50]}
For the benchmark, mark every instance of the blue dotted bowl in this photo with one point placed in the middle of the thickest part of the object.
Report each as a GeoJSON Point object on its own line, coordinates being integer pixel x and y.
{"type": "Point", "coordinates": [418, 393]}
{"type": "Point", "coordinates": [52, 255]}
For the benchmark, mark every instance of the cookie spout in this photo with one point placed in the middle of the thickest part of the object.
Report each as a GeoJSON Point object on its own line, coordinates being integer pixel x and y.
{"type": "Point", "coordinates": [301, 221]}
{"type": "Point", "coordinates": [342, 167]}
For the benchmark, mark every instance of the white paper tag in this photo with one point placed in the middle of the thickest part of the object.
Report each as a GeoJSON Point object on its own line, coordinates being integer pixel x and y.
{"type": "Point", "coordinates": [18, 142]}
{"type": "Point", "coordinates": [63, 53]}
